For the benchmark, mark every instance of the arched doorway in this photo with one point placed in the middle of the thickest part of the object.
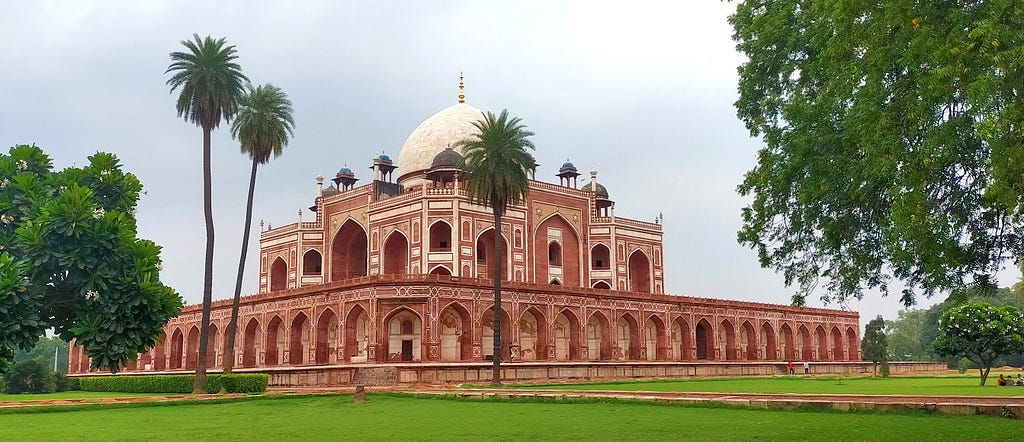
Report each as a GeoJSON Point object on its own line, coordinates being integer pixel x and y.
{"type": "Point", "coordinates": [456, 335]}
{"type": "Point", "coordinates": [681, 340]}
{"type": "Point", "coordinates": [654, 333]}
{"type": "Point", "coordinates": [440, 237]}
{"type": "Point", "coordinates": [600, 258]}
{"type": "Point", "coordinates": [487, 334]}
{"type": "Point", "coordinates": [705, 341]}
{"type": "Point", "coordinates": [639, 272]}
{"type": "Point", "coordinates": [789, 352]}
{"type": "Point", "coordinates": [599, 346]}
{"type": "Point", "coordinates": [177, 349]}
{"type": "Point", "coordinates": [769, 346]}
{"type": "Point", "coordinates": [626, 345]}
{"type": "Point", "coordinates": [160, 362]}
{"type": "Point", "coordinates": [348, 252]}
{"type": "Point", "coordinates": [278, 275]}
{"type": "Point", "coordinates": [727, 340]}
{"type": "Point", "coordinates": [327, 338]}
{"type": "Point", "coordinates": [213, 346]}
{"type": "Point", "coordinates": [602, 285]}
{"type": "Point", "coordinates": [312, 262]}
{"type": "Point", "coordinates": [404, 336]}
{"type": "Point", "coordinates": [748, 342]}
{"type": "Point", "coordinates": [275, 342]}
{"type": "Point", "coordinates": [567, 336]}
{"type": "Point", "coordinates": [357, 335]}
{"type": "Point", "coordinates": [556, 236]}
{"type": "Point", "coordinates": [853, 345]}
{"type": "Point", "coordinates": [837, 344]}
{"type": "Point", "coordinates": [533, 337]}
{"type": "Point", "coordinates": [821, 339]}
{"type": "Point", "coordinates": [485, 256]}
{"type": "Point", "coordinates": [803, 338]}
{"type": "Point", "coordinates": [396, 254]}
{"type": "Point", "coordinates": [192, 353]}
{"type": "Point", "coordinates": [251, 343]}
{"type": "Point", "coordinates": [441, 270]}
{"type": "Point", "coordinates": [298, 343]}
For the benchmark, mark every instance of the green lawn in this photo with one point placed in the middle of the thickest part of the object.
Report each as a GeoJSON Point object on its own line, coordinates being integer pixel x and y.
{"type": "Point", "coordinates": [394, 417]}
{"type": "Point", "coordinates": [67, 395]}
{"type": "Point", "coordinates": [960, 385]}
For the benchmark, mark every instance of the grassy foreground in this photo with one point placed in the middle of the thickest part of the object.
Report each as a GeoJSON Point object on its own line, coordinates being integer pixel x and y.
{"type": "Point", "coordinates": [396, 417]}
{"type": "Point", "coordinates": [27, 397]}
{"type": "Point", "coordinates": [960, 385]}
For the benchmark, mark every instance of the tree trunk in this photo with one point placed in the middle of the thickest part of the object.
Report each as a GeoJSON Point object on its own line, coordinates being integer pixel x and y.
{"type": "Point", "coordinates": [229, 354]}
{"type": "Point", "coordinates": [984, 374]}
{"type": "Point", "coordinates": [498, 258]}
{"type": "Point", "coordinates": [204, 332]}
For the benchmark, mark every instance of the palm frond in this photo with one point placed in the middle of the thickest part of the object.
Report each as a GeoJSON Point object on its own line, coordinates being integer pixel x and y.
{"type": "Point", "coordinates": [208, 79]}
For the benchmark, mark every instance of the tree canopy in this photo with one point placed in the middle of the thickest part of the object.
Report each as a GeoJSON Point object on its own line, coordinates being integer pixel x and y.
{"type": "Point", "coordinates": [71, 259]}
{"type": "Point", "coordinates": [894, 148]}
{"type": "Point", "coordinates": [981, 333]}
{"type": "Point", "coordinates": [873, 344]}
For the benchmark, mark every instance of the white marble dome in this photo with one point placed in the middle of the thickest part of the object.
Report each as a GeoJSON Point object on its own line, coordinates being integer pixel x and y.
{"type": "Point", "coordinates": [432, 137]}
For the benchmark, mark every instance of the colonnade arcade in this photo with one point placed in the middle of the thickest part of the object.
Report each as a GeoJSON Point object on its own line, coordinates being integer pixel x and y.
{"type": "Point", "coordinates": [458, 331]}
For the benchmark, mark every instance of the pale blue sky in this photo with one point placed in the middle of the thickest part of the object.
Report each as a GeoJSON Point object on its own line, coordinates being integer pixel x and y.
{"type": "Point", "coordinates": [640, 91]}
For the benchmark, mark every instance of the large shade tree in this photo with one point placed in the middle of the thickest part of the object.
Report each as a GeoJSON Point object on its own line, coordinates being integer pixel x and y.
{"type": "Point", "coordinates": [894, 148]}
{"type": "Point", "coordinates": [263, 125]}
{"type": "Point", "coordinates": [71, 259]}
{"type": "Point", "coordinates": [873, 344]}
{"type": "Point", "coordinates": [495, 165]}
{"type": "Point", "coordinates": [980, 332]}
{"type": "Point", "coordinates": [210, 84]}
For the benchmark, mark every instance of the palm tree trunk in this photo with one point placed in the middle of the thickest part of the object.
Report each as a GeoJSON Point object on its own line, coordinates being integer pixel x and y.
{"type": "Point", "coordinates": [200, 383]}
{"type": "Point", "coordinates": [498, 258]}
{"type": "Point", "coordinates": [229, 355]}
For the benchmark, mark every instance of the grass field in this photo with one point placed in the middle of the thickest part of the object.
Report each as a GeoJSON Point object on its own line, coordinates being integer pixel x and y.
{"type": "Point", "coordinates": [395, 417]}
{"type": "Point", "coordinates": [960, 385]}
{"type": "Point", "coordinates": [65, 395]}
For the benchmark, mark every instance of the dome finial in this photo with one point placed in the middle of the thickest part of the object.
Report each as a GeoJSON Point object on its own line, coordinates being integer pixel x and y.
{"type": "Point", "coordinates": [462, 95]}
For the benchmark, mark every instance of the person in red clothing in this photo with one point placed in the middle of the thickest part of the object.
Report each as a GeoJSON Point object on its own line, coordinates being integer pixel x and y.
{"type": "Point", "coordinates": [790, 367]}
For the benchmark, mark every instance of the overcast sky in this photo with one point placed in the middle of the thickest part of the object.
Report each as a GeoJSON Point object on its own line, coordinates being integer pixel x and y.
{"type": "Point", "coordinates": [641, 92]}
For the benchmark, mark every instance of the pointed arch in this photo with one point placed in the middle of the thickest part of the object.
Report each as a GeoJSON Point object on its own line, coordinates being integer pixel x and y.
{"type": "Point", "coordinates": [599, 342]}
{"type": "Point", "coordinates": [327, 332]}
{"type": "Point", "coordinates": [396, 254]}
{"type": "Point", "coordinates": [160, 355]}
{"type": "Point", "coordinates": [485, 255]}
{"type": "Point", "coordinates": [440, 236]}
{"type": "Point", "coordinates": [821, 339]}
{"type": "Point", "coordinates": [748, 344]}
{"type": "Point", "coordinates": [769, 344]}
{"type": "Point", "coordinates": [837, 344]}
{"type": "Point", "coordinates": [349, 251]}
{"type": "Point", "coordinates": [727, 340]}
{"type": "Point", "coordinates": [639, 272]}
{"type": "Point", "coordinates": [192, 351]}
{"type": "Point", "coordinates": [600, 257]}
{"type": "Point", "coordinates": [803, 338]}
{"type": "Point", "coordinates": [251, 343]}
{"type": "Point", "coordinates": [705, 340]}
{"type": "Point", "coordinates": [404, 331]}
{"type": "Point", "coordinates": [681, 340]}
{"type": "Point", "coordinates": [456, 333]}
{"type": "Point", "coordinates": [533, 335]}
{"type": "Point", "coordinates": [177, 349]}
{"type": "Point", "coordinates": [567, 336]}
{"type": "Point", "coordinates": [278, 274]}
{"type": "Point", "coordinates": [602, 285]}
{"type": "Point", "coordinates": [852, 344]}
{"type": "Point", "coordinates": [298, 342]}
{"type": "Point", "coordinates": [357, 333]}
{"type": "Point", "coordinates": [654, 339]}
{"type": "Point", "coordinates": [275, 342]}
{"type": "Point", "coordinates": [312, 262]}
{"type": "Point", "coordinates": [789, 350]}
{"type": "Point", "coordinates": [627, 345]}
{"type": "Point", "coordinates": [213, 346]}
{"type": "Point", "coordinates": [560, 240]}
{"type": "Point", "coordinates": [487, 334]}
{"type": "Point", "coordinates": [441, 269]}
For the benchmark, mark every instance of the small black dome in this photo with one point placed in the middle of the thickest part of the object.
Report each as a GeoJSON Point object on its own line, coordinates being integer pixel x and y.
{"type": "Point", "coordinates": [602, 192]}
{"type": "Point", "coordinates": [447, 159]}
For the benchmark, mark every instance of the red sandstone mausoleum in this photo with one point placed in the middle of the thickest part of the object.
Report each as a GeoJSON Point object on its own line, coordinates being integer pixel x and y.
{"type": "Point", "coordinates": [396, 271]}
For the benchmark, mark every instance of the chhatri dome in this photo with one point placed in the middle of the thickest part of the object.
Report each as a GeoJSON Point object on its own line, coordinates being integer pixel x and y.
{"type": "Point", "coordinates": [433, 136]}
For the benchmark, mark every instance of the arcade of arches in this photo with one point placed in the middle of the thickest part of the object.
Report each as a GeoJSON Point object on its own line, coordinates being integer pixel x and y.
{"type": "Point", "coordinates": [419, 324]}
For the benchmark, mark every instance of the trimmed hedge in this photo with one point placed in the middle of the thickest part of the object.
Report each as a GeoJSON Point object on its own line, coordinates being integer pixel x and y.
{"type": "Point", "coordinates": [180, 384]}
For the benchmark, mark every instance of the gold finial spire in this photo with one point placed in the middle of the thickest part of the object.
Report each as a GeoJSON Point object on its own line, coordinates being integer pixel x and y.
{"type": "Point", "coordinates": [462, 95]}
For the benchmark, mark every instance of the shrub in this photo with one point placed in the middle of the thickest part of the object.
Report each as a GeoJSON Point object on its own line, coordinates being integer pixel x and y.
{"type": "Point", "coordinates": [64, 383]}
{"type": "Point", "coordinates": [963, 365]}
{"type": "Point", "coordinates": [31, 376]}
{"type": "Point", "coordinates": [245, 383]}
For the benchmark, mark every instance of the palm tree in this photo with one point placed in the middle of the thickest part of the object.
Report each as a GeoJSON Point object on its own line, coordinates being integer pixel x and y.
{"type": "Point", "coordinates": [211, 84]}
{"type": "Point", "coordinates": [263, 125]}
{"type": "Point", "coordinates": [495, 164]}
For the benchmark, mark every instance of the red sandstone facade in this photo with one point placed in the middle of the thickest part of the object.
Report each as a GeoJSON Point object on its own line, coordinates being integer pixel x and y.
{"type": "Point", "coordinates": [392, 272]}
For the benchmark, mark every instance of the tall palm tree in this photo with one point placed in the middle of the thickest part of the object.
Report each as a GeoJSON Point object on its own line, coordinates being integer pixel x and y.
{"type": "Point", "coordinates": [262, 125]}
{"type": "Point", "coordinates": [495, 164]}
{"type": "Point", "coordinates": [211, 84]}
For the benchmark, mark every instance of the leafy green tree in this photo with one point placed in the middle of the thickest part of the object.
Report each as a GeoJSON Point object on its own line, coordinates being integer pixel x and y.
{"type": "Point", "coordinates": [211, 84]}
{"type": "Point", "coordinates": [31, 376]}
{"type": "Point", "coordinates": [495, 164]}
{"type": "Point", "coordinates": [980, 332]}
{"type": "Point", "coordinates": [893, 143]}
{"type": "Point", "coordinates": [263, 125]}
{"type": "Point", "coordinates": [52, 352]}
{"type": "Point", "coordinates": [873, 344]}
{"type": "Point", "coordinates": [905, 336]}
{"type": "Point", "coordinates": [71, 259]}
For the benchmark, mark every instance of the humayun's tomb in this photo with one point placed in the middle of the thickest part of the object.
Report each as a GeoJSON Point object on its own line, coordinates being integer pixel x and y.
{"type": "Point", "coordinates": [394, 275]}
